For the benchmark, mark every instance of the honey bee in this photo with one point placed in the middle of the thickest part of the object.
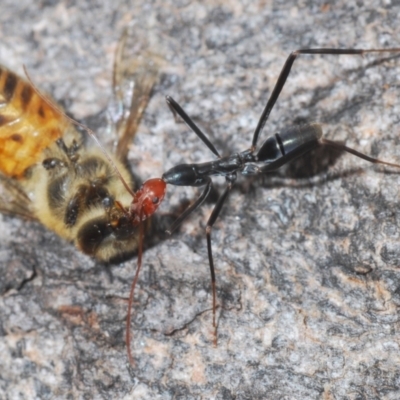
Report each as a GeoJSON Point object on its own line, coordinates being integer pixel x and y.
{"type": "Point", "coordinates": [50, 174]}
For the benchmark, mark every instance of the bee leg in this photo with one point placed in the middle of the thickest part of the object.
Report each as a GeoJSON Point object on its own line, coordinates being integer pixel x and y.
{"type": "Point", "coordinates": [72, 151]}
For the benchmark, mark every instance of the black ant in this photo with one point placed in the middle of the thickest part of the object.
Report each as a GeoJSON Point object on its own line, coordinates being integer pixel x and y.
{"type": "Point", "coordinates": [276, 151]}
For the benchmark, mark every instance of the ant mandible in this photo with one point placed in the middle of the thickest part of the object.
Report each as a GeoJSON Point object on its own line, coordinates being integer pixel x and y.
{"type": "Point", "coordinates": [276, 151]}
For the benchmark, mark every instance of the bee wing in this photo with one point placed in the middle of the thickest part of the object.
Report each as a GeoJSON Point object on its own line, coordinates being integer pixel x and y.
{"type": "Point", "coordinates": [136, 71]}
{"type": "Point", "coordinates": [13, 200]}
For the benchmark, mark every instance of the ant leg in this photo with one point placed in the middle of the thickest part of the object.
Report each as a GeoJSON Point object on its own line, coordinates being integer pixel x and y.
{"type": "Point", "coordinates": [210, 223]}
{"type": "Point", "coordinates": [172, 109]}
{"type": "Point", "coordinates": [339, 146]}
{"type": "Point", "coordinates": [176, 109]}
{"type": "Point", "coordinates": [285, 73]}
{"type": "Point", "coordinates": [192, 207]}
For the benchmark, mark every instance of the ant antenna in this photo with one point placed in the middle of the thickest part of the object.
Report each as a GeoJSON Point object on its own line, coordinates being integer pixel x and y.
{"type": "Point", "coordinates": [133, 285]}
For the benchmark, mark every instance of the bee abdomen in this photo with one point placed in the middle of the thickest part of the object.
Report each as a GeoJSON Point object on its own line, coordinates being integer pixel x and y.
{"type": "Point", "coordinates": [28, 124]}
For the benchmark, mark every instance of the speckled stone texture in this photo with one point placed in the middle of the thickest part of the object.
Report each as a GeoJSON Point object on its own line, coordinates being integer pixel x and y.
{"type": "Point", "coordinates": [307, 259]}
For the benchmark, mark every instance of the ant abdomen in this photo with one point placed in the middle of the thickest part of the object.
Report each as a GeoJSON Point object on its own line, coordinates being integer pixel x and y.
{"type": "Point", "coordinates": [287, 145]}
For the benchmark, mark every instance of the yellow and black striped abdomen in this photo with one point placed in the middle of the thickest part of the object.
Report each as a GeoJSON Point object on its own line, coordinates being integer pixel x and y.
{"type": "Point", "coordinates": [28, 124]}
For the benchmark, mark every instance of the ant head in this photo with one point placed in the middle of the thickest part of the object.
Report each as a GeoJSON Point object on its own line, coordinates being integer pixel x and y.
{"type": "Point", "coordinates": [149, 197]}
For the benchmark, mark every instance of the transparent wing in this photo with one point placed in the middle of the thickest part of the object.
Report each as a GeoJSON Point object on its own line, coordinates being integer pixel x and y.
{"type": "Point", "coordinates": [136, 71]}
{"type": "Point", "coordinates": [13, 200]}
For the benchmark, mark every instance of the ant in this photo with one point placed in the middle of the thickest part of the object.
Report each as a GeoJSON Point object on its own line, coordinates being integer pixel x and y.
{"type": "Point", "coordinates": [276, 151]}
